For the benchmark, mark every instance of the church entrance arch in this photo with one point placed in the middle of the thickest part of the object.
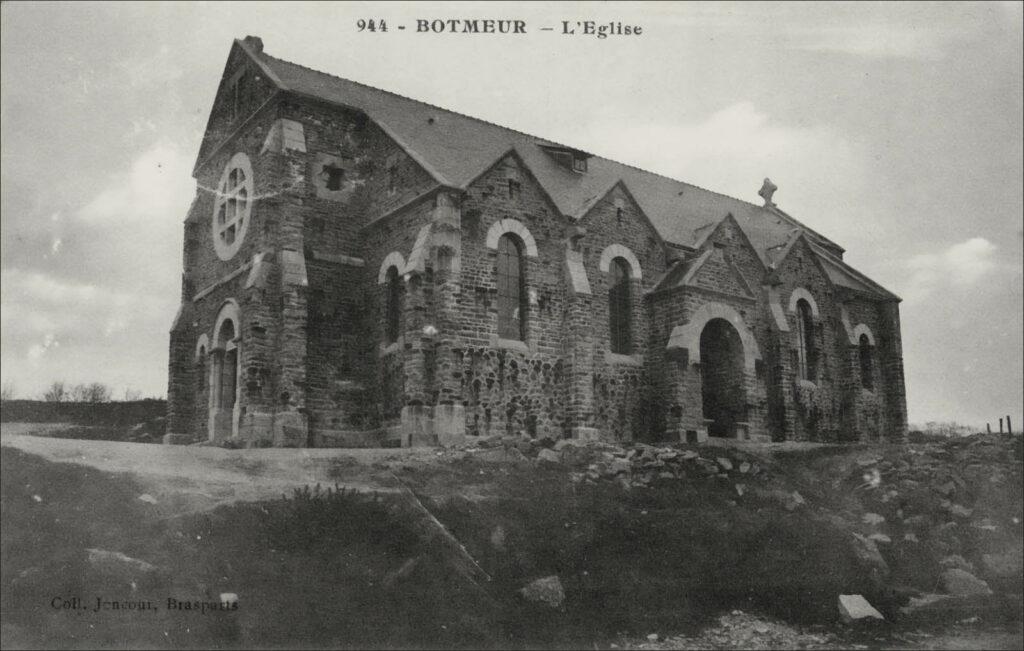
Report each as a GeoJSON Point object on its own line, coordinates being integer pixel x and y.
{"type": "Point", "coordinates": [224, 407]}
{"type": "Point", "coordinates": [723, 391]}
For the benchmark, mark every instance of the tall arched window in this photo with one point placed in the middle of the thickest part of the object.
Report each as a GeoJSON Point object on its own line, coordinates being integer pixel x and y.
{"type": "Point", "coordinates": [619, 308]}
{"type": "Point", "coordinates": [805, 343]}
{"type": "Point", "coordinates": [511, 289]}
{"type": "Point", "coordinates": [394, 306]}
{"type": "Point", "coordinates": [867, 366]}
{"type": "Point", "coordinates": [228, 366]}
{"type": "Point", "coordinates": [201, 370]}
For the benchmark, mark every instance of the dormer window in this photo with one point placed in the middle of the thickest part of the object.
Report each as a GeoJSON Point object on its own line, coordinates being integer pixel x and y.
{"type": "Point", "coordinates": [572, 159]}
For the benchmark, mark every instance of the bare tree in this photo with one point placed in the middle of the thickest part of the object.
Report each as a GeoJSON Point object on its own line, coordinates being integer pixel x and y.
{"type": "Point", "coordinates": [76, 393]}
{"type": "Point", "coordinates": [56, 393]}
{"type": "Point", "coordinates": [131, 395]}
{"type": "Point", "coordinates": [7, 392]}
{"type": "Point", "coordinates": [97, 392]}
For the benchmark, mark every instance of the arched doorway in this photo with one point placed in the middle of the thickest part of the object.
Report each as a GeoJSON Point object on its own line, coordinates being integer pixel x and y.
{"type": "Point", "coordinates": [223, 385]}
{"type": "Point", "coordinates": [722, 377]}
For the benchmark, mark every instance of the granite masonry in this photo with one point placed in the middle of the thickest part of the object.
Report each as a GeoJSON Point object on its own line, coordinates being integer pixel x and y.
{"type": "Point", "coordinates": [362, 269]}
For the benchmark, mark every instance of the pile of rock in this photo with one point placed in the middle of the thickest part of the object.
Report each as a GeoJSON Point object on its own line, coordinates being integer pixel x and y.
{"type": "Point", "coordinates": [151, 431]}
{"type": "Point", "coordinates": [943, 503]}
{"type": "Point", "coordinates": [633, 465]}
{"type": "Point", "coordinates": [739, 630]}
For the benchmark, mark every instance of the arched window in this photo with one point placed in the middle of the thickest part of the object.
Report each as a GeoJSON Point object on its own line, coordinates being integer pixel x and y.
{"type": "Point", "coordinates": [394, 305]}
{"type": "Point", "coordinates": [511, 289]}
{"type": "Point", "coordinates": [201, 370]}
{"type": "Point", "coordinates": [619, 308]}
{"type": "Point", "coordinates": [867, 365]}
{"type": "Point", "coordinates": [805, 341]}
{"type": "Point", "coordinates": [229, 365]}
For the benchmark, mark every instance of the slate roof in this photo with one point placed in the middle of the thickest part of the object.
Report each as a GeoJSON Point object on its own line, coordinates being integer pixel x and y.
{"type": "Point", "coordinates": [456, 149]}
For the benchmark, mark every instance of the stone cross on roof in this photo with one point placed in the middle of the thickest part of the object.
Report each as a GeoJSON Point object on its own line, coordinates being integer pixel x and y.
{"type": "Point", "coordinates": [766, 192]}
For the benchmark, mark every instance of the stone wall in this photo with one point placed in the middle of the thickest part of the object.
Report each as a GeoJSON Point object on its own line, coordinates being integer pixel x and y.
{"type": "Point", "coordinates": [336, 200]}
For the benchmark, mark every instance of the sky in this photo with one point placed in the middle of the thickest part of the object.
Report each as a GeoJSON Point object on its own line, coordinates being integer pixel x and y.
{"type": "Point", "coordinates": [894, 129]}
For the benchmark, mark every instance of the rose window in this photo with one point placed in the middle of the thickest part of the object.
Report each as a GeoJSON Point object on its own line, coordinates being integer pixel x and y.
{"type": "Point", "coordinates": [232, 206]}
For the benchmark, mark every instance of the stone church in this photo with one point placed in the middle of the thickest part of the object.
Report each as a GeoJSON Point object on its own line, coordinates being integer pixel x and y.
{"type": "Point", "coordinates": [365, 270]}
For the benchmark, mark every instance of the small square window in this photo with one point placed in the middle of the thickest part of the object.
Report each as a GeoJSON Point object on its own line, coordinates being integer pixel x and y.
{"type": "Point", "coordinates": [335, 177]}
{"type": "Point", "coordinates": [579, 164]}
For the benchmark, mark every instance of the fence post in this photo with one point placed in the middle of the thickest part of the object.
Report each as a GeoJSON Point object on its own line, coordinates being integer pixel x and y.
{"type": "Point", "coordinates": [1009, 427]}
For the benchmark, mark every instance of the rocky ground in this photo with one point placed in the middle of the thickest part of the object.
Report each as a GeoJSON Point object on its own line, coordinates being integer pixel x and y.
{"type": "Point", "coordinates": [512, 542]}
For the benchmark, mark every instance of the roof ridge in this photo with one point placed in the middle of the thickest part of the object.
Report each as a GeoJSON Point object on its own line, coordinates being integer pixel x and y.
{"type": "Point", "coordinates": [413, 99]}
{"type": "Point", "coordinates": [507, 128]}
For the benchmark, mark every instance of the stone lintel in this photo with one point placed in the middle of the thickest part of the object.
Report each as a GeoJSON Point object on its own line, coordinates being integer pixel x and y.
{"type": "Point", "coordinates": [338, 258]}
{"type": "Point", "coordinates": [224, 279]}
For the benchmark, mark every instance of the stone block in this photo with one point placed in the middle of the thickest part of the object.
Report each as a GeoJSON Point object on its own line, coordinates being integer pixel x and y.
{"type": "Point", "coordinates": [293, 268]}
{"type": "Point", "coordinates": [549, 456]}
{"type": "Point", "coordinates": [586, 433]}
{"type": "Point", "coordinates": [291, 429]}
{"type": "Point", "coordinates": [449, 425]}
{"type": "Point", "coordinates": [547, 591]}
{"type": "Point", "coordinates": [956, 581]}
{"type": "Point", "coordinates": [417, 427]}
{"type": "Point", "coordinates": [854, 607]}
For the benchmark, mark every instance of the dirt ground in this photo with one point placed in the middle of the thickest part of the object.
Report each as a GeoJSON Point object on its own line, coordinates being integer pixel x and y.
{"type": "Point", "coordinates": [494, 502]}
{"type": "Point", "coordinates": [195, 478]}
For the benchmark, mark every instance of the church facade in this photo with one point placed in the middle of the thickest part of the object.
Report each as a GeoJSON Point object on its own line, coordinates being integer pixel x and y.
{"type": "Point", "coordinates": [365, 270]}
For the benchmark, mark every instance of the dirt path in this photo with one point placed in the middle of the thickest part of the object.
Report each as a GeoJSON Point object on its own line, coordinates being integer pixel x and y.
{"type": "Point", "coordinates": [192, 478]}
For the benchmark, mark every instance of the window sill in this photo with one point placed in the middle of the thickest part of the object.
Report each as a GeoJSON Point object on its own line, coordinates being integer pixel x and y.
{"type": "Point", "coordinates": [512, 344]}
{"type": "Point", "coordinates": [390, 349]}
{"type": "Point", "coordinates": [623, 360]}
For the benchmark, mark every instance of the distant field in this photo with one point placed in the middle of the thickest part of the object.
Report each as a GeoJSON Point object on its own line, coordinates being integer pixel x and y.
{"type": "Point", "coordinates": [112, 413]}
{"type": "Point", "coordinates": [141, 421]}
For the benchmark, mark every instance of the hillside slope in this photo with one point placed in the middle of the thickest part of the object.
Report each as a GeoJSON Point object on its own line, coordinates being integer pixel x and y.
{"type": "Point", "coordinates": [626, 543]}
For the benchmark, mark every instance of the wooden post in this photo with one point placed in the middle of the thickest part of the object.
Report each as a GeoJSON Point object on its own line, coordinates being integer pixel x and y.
{"type": "Point", "coordinates": [988, 427]}
{"type": "Point", "coordinates": [1000, 425]}
{"type": "Point", "coordinates": [1009, 427]}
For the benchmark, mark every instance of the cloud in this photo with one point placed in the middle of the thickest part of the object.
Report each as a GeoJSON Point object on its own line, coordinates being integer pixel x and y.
{"type": "Point", "coordinates": [98, 294]}
{"type": "Point", "coordinates": [734, 148]}
{"type": "Point", "coordinates": [53, 328]}
{"type": "Point", "coordinates": [879, 40]}
{"type": "Point", "coordinates": [154, 71]}
{"type": "Point", "coordinates": [38, 350]}
{"type": "Point", "coordinates": [961, 266]}
{"type": "Point", "coordinates": [158, 186]}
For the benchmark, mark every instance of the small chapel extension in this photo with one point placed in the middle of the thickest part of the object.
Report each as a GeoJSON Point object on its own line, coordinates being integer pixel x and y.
{"type": "Point", "coordinates": [363, 269]}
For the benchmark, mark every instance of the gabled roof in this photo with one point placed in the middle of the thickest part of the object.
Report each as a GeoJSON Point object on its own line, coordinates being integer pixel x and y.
{"type": "Point", "coordinates": [455, 149]}
{"type": "Point", "coordinates": [843, 275]}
